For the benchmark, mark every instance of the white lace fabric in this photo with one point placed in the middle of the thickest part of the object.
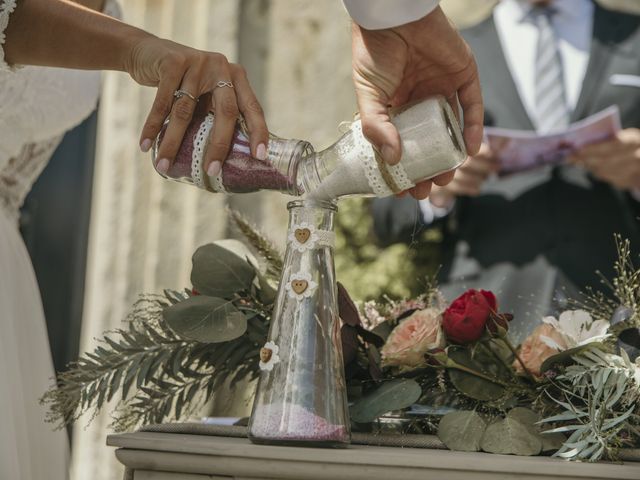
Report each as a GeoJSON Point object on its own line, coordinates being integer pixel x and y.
{"type": "Point", "coordinates": [39, 104]}
{"type": "Point", "coordinates": [6, 9]}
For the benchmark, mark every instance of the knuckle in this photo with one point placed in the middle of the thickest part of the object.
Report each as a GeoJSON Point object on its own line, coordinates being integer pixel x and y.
{"type": "Point", "coordinates": [183, 111]}
{"type": "Point", "coordinates": [238, 70]}
{"type": "Point", "coordinates": [253, 106]}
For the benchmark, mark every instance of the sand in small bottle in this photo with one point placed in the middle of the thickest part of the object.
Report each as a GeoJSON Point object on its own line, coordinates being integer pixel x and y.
{"type": "Point", "coordinates": [294, 422]}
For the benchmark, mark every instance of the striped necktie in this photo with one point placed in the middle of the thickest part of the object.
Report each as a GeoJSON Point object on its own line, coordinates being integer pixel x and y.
{"type": "Point", "coordinates": [552, 112]}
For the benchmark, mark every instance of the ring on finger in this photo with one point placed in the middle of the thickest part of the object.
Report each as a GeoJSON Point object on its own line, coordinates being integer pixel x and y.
{"type": "Point", "coordinates": [224, 83]}
{"type": "Point", "coordinates": [183, 93]}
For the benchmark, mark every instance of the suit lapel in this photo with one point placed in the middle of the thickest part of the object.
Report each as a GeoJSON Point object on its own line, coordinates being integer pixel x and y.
{"type": "Point", "coordinates": [495, 74]}
{"type": "Point", "coordinates": [603, 42]}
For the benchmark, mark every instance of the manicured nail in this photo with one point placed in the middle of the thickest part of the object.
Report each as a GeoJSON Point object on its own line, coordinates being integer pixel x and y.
{"type": "Point", "coordinates": [261, 152]}
{"type": "Point", "coordinates": [214, 168]}
{"type": "Point", "coordinates": [388, 155]}
{"type": "Point", "coordinates": [145, 145]}
{"type": "Point", "coordinates": [162, 166]}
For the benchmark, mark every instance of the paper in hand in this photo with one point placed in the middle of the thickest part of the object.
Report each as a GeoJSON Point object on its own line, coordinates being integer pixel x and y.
{"type": "Point", "coordinates": [518, 150]}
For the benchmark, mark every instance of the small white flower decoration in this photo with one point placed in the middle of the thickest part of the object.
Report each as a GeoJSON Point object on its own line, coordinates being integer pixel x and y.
{"type": "Point", "coordinates": [300, 285]}
{"type": "Point", "coordinates": [303, 236]}
{"type": "Point", "coordinates": [269, 356]}
{"type": "Point", "coordinates": [577, 329]}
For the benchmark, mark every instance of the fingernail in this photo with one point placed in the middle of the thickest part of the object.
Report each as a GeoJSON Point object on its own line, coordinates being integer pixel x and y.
{"type": "Point", "coordinates": [163, 166]}
{"type": "Point", "coordinates": [261, 152]}
{"type": "Point", "coordinates": [214, 168]}
{"type": "Point", "coordinates": [145, 145]}
{"type": "Point", "coordinates": [388, 155]}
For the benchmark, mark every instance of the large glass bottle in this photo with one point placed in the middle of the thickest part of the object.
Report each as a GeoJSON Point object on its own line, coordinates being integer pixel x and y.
{"type": "Point", "coordinates": [301, 394]}
{"type": "Point", "coordinates": [432, 144]}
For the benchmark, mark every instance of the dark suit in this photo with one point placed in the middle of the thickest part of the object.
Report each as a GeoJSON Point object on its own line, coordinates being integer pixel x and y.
{"type": "Point", "coordinates": [538, 231]}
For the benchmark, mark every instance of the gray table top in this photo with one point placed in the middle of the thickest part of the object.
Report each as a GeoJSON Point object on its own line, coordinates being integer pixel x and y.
{"type": "Point", "coordinates": [237, 457]}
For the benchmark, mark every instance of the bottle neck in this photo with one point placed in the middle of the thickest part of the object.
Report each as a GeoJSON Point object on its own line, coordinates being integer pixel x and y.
{"type": "Point", "coordinates": [283, 161]}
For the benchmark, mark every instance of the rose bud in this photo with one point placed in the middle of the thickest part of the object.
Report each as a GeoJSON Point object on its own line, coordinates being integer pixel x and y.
{"type": "Point", "coordinates": [465, 319]}
{"type": "Point", "coordinates": [498, 325]}
{"type": "Point", "coordinates": [194, 292]}
{"type": "Point", "coordinates": [437, 357]}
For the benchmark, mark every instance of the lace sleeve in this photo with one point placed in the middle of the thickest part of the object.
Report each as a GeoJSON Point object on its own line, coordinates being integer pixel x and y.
{"type": "Point", "coordinates": [6, 9]}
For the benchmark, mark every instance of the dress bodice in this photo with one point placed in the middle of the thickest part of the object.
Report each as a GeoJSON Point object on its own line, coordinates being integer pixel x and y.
{"type": "Point", "coordinates": [38, 105]}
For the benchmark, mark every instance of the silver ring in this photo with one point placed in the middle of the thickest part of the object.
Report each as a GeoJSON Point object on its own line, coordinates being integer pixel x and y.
{"type": "Point", "coordinates": [223, 83]}
{"type": "Point", "coordinates": [183, 93]}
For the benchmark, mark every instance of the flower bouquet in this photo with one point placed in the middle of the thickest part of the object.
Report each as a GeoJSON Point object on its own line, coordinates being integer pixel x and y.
{"type": "Point", "coordinates": [572, 387]}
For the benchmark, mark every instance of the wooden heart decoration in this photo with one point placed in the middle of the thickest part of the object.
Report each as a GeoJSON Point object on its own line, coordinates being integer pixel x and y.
{"type": "Point", "coordinates": [299, 286]}
{"type": "Point", "coordinates": [302, 234]}
{"type": "Point", "coordinates": [265, 354]}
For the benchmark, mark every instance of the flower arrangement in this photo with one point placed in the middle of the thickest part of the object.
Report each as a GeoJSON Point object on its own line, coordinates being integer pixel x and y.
{"type": "Point", "coordinates": [572, 387]}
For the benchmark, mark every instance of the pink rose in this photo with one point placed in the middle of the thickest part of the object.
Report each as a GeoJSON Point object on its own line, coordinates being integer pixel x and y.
{"type": "Point", "coordinates": [534, 350]}
{"type": "Point", "coordinates": [412, 338]}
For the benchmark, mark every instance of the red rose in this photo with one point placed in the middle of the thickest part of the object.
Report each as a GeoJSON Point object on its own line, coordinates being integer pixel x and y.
{"type": "Point", "coordinates": [465, 319]}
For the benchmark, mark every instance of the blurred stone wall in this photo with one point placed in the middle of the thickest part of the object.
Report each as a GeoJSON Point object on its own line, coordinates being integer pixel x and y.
{"type": "Point", "coordinates": [144, 229]}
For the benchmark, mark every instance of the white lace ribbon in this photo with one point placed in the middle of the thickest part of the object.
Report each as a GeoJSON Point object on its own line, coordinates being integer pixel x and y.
{"type": "Point", "coordinates": [396, 179]}
{"type": "Point", "coordinates": [6, 9]}
{"type": "Point", "coordinates": [198, 175]}
{"type": "Point", "coordinates": [304, 237]}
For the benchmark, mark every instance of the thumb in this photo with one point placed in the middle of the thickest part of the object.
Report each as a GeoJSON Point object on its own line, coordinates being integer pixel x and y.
{"type": "Point", "coordinates": [377, 126]}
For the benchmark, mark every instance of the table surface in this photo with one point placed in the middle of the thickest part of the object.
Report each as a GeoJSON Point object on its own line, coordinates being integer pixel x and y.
{"type": "Point", "coordinates": [170, 456]}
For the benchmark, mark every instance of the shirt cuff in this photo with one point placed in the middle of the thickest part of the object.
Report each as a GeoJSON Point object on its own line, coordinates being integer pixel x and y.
{"type": "Point", "coordinates": [635, 194]}
{"type": "Point", "coordinates": [431, 213]}
{"type": "Point", "coordinates": [379, 14]}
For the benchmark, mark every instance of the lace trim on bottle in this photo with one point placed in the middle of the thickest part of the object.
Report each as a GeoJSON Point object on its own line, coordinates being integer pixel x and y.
{"type": "Point", "coordinates": [305, 236]}
{"type": "Point", "coordinates": [397, 179]}
{"type": "Point", "coordinates": [197, 158]}
{"type": "Point", "coordinates": [6, 9]}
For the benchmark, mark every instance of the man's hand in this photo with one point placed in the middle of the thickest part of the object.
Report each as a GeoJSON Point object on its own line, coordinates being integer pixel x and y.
{"type": "Point", "coordinates": [410, 62]}
{"type": "Point", "coordinates": [614, 161]}
{"type": "Point", "coordinates": [468, 179]}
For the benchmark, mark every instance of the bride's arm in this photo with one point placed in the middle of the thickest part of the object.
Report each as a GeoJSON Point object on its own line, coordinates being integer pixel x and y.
{"type": "Point", "coordinates": [63, 34]}
{"type": "Point", "coordinates": [59, 33]}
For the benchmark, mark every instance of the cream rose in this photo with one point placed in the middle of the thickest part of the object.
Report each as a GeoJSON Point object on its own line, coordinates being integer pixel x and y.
{"type": "Point", "coordinates": [536, 349]}
{"type": "Point", "coordinates": [412, 338]}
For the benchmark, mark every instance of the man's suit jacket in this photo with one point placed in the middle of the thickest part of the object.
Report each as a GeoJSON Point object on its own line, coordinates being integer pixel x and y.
{"type": "Point", "coordinates": [535, 231]}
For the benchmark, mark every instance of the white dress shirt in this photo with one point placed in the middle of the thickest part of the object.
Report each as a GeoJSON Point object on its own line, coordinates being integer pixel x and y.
{"type": "Point", "coordinates": [573, 25]}
{"type": "Point", "coordinates": [377, 14]}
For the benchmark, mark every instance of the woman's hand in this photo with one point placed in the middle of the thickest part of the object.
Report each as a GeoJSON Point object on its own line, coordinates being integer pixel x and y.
{"type": "Point", "coordinates": [170, 66]}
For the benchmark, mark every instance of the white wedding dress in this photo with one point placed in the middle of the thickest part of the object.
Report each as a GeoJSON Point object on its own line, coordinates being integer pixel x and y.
{"type": "Point", "coordinates": [37, 106]}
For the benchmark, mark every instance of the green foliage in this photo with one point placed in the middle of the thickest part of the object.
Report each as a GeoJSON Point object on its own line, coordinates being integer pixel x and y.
{"type": "Point", "coordinates": [206, 319]}
{"type": "Point", "coordinates": [371, 272]}
{"type": "Point", "coordinates": [391, 395]}
{"type": "Point", "coordinates": [509, 436]}
{"type": "Point", "coordinates": [462, 431]}
{"type": "Point", "coordinates": [472, 385]}
{"type": "Point", "coordinates": [599, 397]}
{"type": "Point", "coordinates": [219, 272]}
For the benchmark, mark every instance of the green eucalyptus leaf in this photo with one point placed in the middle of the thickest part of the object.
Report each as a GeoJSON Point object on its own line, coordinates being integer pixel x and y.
{"type": "Point", "coordinates": [526, 416]}
{"type": "Point", "coordinates": [219, 272]}
{"type": "Point", "coordinates": [393, 395]}
{"type": "Point", "coordinates": [509, 436]}
{"type": "Point", "coordinates": [469, 384]}
{"type": "Point", "coordinates": [206, 319]}
{"type": "Point", "coordinates": [563, 358]}
{"type": "Point", "coordinates": [462, 431]}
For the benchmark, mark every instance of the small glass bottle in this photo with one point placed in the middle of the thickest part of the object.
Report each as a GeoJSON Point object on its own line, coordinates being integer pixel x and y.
{"type": "Point", "coordinates": [301, 395]}
{"type": "Point", "coordinates": [432, 144]}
